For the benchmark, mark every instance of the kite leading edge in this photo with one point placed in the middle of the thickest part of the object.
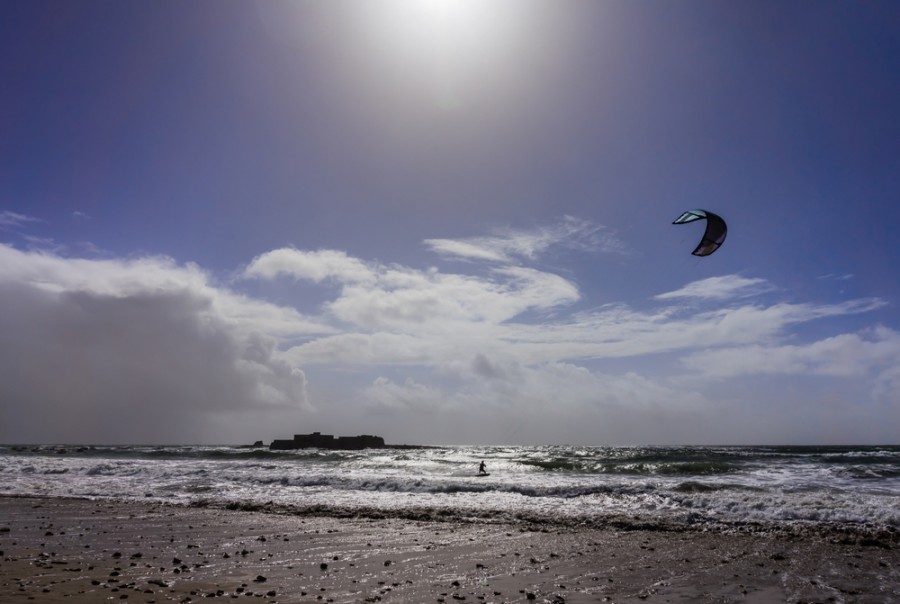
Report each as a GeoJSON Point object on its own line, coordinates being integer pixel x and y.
{"type": "Point", "coordinates": [715, 230]}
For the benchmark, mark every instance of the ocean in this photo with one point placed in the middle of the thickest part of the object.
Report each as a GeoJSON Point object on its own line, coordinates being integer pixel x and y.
{"type": "Point", "coordinates": [701, 488]}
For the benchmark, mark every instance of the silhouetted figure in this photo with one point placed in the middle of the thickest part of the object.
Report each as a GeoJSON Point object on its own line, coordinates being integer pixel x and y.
{"type": "Point", "coordinates": [482, 469]}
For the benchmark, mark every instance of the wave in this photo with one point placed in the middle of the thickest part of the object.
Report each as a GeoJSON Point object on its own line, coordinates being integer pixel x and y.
{"type": "Point", "coordinates": [873, 472]}
{"type": "Point", "coordinates": [552, 458]}
{"type": "Point", "coordinates": [187, 452]}
{"type": "Point", "coordinates": [863, 534]}
{"type": "Point", "coordinates": [648, 466]}
{"type": "Point", "coordinates": [453, 486]}
{"type": "Point", "coordinates": [691, 486]}
{"type": "Point", "coordinates": [682, 485]}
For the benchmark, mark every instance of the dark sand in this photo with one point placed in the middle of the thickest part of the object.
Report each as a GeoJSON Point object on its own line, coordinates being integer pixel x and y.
{"type": "Point", "coordinates": [79, 551]}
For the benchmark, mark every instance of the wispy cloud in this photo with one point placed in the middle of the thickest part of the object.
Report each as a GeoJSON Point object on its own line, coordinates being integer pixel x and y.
{"type": "Point", "coordinates": [720, 288]}
{"type": "Point", "coordinates": [508, 245]}
{"type": "Point", "coordinates": [615, 332]}
{"type": "Point", "coordinates": [13, 220]}
{"type": "Point", "coordinates": [385, 315]}
{"type": "Point", "coordinates": [837, 277]}
{"type": "Point", "coordinates": [374, 295]}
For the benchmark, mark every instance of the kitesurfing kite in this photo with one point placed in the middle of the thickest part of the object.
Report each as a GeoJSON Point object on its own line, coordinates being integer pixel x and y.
{"type": "Point", "coordinates": [715, 230]}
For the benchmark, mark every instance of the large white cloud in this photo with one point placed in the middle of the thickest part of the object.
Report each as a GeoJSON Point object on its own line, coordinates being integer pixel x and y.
{"type": "Point", "coordinates": [138, 350]}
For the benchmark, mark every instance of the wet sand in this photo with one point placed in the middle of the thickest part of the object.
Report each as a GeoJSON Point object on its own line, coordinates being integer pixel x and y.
{"type": "Point", "coordinates": [80, 551]}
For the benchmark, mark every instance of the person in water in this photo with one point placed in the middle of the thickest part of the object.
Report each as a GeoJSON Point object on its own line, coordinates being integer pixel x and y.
{"type": "Point", "coordinates": [482, 469]}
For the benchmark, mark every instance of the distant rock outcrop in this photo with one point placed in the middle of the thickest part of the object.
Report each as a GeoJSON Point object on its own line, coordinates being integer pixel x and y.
{"type": "Point", "coordinates": [257, 445]}
{"type": "Point", "coordinates": [317, 440]}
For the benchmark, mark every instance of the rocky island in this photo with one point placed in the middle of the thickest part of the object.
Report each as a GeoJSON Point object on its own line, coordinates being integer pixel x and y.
{"type": "Point", "coordinates": [317, 440]}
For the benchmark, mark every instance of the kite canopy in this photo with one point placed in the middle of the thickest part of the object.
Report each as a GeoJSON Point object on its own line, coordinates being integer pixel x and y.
{"type": "Point", "coordinates": [715, 230]}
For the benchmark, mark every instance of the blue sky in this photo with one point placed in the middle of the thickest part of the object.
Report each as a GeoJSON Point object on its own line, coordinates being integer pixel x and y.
{"type": "Point", "coordinates": [449, 221]}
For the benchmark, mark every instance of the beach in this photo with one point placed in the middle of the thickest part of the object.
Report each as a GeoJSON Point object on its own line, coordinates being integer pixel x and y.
{"type": "Point", "coordinates": [81, 550]}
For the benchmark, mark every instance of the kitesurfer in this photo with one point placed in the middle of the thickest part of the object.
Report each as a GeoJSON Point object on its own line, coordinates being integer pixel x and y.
{"type": "Point", "coordinates": [481, 468]}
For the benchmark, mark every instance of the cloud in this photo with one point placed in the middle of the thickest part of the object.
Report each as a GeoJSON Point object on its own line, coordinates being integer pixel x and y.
{"type": "Point", "coordinates": [436, 302]}
{"type": "Point", "coordinates": [614, 332]}
{"type": "Point", "coordinates": [502, 403]}
{"type": "Point", "coordinates": [836, 277]}
{"type": "Point", "coordinates": [845, 355]}
{"type": "Point", "coordinates": [384, 396]}
{"type": "Point", "coordinates": [471, 250]}
{"type": "Point", "coordinates": [395, 315]}
{"type": "Point", "coordinates": [886, 392]}
{"type": "Point", "coordinates": [140, 350]}
{"type": "Point", "coordinates": [13, 220]}
{"type": "Point", "coordinates": [720, 288]}
{"type": "Point", "coordinates": [314, 266]}
{"type": "Point", "coordinates": [104, 346]}
{"type": "Point", "coordinates": [377, 296]}
{"type": "Point", "coordinates": [507, 245]}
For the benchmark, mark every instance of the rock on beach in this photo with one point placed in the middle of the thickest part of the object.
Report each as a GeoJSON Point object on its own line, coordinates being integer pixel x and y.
{"type": "Point", "coordinates": [153, 553]}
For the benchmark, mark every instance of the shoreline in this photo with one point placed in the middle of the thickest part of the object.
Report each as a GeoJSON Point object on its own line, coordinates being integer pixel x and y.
{"type": "Point", "coordinates": [83, 550]}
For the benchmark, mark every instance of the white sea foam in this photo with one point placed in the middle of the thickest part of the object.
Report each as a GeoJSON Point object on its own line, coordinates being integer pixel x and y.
{"type": "Point", "coordinates": [680, 485]}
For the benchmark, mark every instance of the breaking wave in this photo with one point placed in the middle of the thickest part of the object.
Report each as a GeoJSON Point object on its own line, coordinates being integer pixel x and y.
{"type": "Point", "coordinates": [855, 488]}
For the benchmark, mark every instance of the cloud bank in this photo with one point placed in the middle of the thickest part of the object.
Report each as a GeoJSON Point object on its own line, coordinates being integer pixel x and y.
{"type": "Point", "coordinates": [150, 350]}
{"type": "Point", "coordinates": [131, 350]}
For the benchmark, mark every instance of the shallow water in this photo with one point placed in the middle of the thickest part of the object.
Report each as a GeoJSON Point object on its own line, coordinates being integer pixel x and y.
{"type": "Point", "coordinates": [676, 486]}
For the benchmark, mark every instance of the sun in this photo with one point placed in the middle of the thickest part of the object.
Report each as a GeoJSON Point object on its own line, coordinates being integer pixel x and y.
{"type": "Point", "coordinates": [452, 16]}
{"type": "Point", "coordinates": [449, 26]}
{"type": "Point", "coordinates": [450, 44]}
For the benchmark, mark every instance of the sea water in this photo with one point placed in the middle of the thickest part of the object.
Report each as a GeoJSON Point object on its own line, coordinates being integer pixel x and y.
{"type": "Point", "coordinates": [697, 487]}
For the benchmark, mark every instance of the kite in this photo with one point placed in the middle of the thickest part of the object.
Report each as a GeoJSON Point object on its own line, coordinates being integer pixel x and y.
{"type": "Point", "coordinates": [715, 230]}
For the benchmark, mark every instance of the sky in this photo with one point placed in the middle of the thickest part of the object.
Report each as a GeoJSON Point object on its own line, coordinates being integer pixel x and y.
{"type": "Point", "coordinates": [449, 221]}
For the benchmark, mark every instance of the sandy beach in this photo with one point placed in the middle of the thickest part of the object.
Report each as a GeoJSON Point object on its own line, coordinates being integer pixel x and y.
{"type": "Point", "coordinates": [74, 550]}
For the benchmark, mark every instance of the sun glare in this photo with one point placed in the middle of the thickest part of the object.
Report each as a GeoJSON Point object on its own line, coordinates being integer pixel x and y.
{"type": "Point", "coordinates": [448, 14]}
{"type": "Point", "coordinates": [455, 26]}
{"type": "Point", "coordinates": [452, 45]}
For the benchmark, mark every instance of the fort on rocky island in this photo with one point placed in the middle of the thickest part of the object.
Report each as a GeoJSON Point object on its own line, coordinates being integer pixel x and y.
{"type": "Point", "coordinates": [317, 440]}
